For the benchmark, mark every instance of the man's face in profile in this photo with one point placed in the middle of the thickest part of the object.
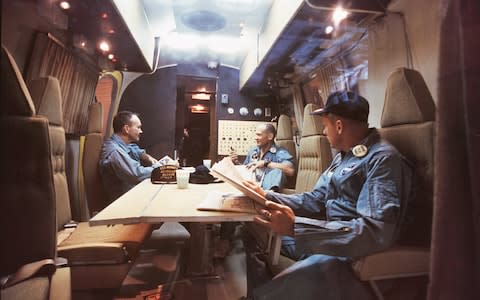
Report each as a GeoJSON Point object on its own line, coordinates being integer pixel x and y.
{"type": "Point", "coordinates": [134, 129]}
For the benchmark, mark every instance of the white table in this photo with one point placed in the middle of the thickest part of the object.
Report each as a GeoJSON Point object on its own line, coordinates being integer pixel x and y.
{"type": "Point", "coordinates": [158, 203]}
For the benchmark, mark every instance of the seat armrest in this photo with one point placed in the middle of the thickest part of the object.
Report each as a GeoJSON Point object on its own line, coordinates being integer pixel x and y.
{"type": "Point", "coordinates": [288, 191]}
{"type": "Point", "coordinates": [94, 254]}
{"type": "Point", "coordinates": [395, 262]}
{"type": "Point", "coordinates": [44, 267]}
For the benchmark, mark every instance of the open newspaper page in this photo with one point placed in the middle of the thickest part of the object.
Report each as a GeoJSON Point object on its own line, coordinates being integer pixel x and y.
{"type": "Point", "coordinates": [234, 202]}
{"type": "Point", "coordinates": [235, 175]}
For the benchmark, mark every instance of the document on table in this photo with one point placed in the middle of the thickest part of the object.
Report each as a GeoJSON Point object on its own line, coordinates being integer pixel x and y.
{"type": "Point", "coordinates": [234, 202]}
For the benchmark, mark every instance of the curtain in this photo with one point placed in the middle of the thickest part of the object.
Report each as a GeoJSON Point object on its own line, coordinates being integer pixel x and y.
{"type": "Point", "coordinates": [455, 262]}
{"type": "Point", "coordinates": [328, 79]}
{"type": "Point", "coordinates": [298, 105]}
{"type": "Point", "coordinates": [77, 77]}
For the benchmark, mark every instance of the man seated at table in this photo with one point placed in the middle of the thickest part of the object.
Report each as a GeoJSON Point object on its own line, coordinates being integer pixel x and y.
{"type": "Point", "coordinates": [270, 163]}
{"type": "Point", "coordinates": [123, 163]}
{"type": "Point", "coordinates": [355, 209]}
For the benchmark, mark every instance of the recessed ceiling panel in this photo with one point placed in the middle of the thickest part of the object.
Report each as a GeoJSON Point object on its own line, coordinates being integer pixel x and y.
{"type": "Point", "coordinates": [203, 20]}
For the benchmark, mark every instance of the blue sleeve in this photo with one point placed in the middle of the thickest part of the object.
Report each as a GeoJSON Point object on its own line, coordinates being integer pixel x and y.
{"type": "Point", "coordinates": [284, 157]}
{"type": "Point", "coordinates": [379, 206]}
{"type": "Point", "coordinates": [136, 151]}
{"type": "Point", "coordinates": [128, 169]}
{"type": "Point", "coordinates": [308, 204]}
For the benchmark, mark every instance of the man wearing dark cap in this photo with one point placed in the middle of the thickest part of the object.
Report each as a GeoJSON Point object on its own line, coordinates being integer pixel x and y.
{"type": "Point", "coordinates": [355, 209]}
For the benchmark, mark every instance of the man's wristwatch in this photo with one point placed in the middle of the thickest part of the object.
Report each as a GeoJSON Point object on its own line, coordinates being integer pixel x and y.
{"type": "Point", "coordinates": [266, 163]}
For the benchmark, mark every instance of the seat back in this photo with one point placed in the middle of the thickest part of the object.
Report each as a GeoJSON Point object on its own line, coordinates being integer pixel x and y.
{"type": "Point", "coordinates": [27, 205]}
{"type": "Point", "coordinates": [47, 98]}
{"type": "Point", "coordinates": [408, 123]}
{"type": "Point", "coordinates": [314, 154]}
{"type": "Point", "coordinates": [285, 135]}
{"type": "Point", "coordinates": [284, 139]}
{"type": "Point", "coordinates": [96, 197]}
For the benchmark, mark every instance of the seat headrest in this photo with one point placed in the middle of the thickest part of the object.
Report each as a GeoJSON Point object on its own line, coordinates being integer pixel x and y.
{"type": "Point", "coordinates": [407, 99]}
{"type": "Point", "coordinates": [312, 125]}
{"type": "Point", "coordinates": [47, 97]}
{"type": "Point", "coordinates": [95, 118]}
{"type": "Point", "coordinates": [16, 99]}
{"type": "Point", "coordinates": [284, 128]}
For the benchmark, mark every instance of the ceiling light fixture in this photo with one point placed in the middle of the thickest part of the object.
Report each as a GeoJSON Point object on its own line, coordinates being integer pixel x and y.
{"type": "Point", "coordinates": [200, 96]}
{"type": "Point", "coordinates": [65, 5]}
{"type": "Point", "coordinates": [329, 29]}
{"type": "Point", "coordinates": [339, 14]}
{"type": "Point", "coordinates": [111, 56]}
{"type": "Point", "coordinates": [199, 109]}
{"type": "Point", "coordinates": [104, 46]}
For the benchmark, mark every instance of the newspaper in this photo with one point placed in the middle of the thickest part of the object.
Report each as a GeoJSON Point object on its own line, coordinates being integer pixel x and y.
{"type": "Point", "coordinates": [234, 202]}
{"type": "Point", "coordinates": [235, 176]}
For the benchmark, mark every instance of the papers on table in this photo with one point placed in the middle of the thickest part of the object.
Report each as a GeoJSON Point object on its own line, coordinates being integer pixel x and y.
{"type": "Point", "coordinates": [234, 202]}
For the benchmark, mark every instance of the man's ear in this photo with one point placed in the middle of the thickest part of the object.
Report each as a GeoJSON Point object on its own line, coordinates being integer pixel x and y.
{"type": "Point", "coordinates": [125, 129]}
{"type": "Point", "coordinates": [270, 136]}
{"type": "Point", "coordinates": [339, 126]}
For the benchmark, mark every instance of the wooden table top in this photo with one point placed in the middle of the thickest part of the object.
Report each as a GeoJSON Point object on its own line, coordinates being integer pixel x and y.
{"type": "Point", "coordinates": [157, 203]}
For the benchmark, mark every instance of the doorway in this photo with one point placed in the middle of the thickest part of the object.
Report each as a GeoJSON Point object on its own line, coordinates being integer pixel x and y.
{"type": "Point", "coordinates": [195, 110]}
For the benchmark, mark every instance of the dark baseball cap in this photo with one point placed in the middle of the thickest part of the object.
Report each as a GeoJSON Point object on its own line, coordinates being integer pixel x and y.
{"type": "Point", "coordinates": [345, 104]}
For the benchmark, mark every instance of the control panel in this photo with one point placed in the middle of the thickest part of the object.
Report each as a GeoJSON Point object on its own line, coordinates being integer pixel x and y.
{"type": "Point", "coordinates": [240, 135]}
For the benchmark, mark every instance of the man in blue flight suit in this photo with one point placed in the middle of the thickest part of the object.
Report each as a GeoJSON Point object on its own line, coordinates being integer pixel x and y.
{"type": "Point", "coordinates": [269, 162]}
{"type": "Point", "coordinates": [122, 163]}
{"type": "Point", "coordinates": [356, 208]}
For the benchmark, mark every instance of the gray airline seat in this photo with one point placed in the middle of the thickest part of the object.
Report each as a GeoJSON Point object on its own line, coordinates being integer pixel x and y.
{"type": "Point", "coordinates": [285, 139]}
{"type": "Point", "coordinates": [408, 123]}
{"type": "Point", "coordinates": [96, 197]}
{"type": "Point", "coordinates": [100, 256]}
{"type": "Point", "coordinates": [27, 207]}
{"type": "Point", "coordinates": [314, 154]}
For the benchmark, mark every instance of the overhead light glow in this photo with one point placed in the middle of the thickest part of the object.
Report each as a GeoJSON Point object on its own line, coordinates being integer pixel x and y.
{"type": "Point", "coordinates": [65, 5]}
{"type": "Point", "coordinates": [182, 41]}
{"type": "Point", "coordinates": [339, 14]}
{"type": "Point", "coordinates": [329, 29]}
{"type": "Point", "coordinates": [226, 44]}
{"type": "Point", "coordinates": [111, 56]}
{"type": "Point", "coordinates": [201, 96]}
{"type": "Point", "coordinates": [104, 46]}
{"type": "Point", "coordinates": [199, 109]}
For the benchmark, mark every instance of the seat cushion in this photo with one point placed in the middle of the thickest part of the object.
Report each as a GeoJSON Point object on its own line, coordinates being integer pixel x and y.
{"type": "Point", "coordinates": [395, 262]}
{"type": "Point", "coordinates": [131, 236]}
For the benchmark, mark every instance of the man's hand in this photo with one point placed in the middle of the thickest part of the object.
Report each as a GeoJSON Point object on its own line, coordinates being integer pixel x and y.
{"type": "Point", "coordinates": [253, 186]}
{"type": "Point", "coordinates": [147, 159]}
{"type": "Point", "coordinates": [280, 218]}
{"type": "Point", "coordinates": [234, 156]}
{"type": "Point", "coordinates": [256, 164]}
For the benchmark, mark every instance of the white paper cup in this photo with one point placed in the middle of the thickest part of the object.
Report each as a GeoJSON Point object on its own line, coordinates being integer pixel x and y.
{"type": "Point", "coordinates": [207, 163]}
{"type": "Point", "coordinates": [182, 178]}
